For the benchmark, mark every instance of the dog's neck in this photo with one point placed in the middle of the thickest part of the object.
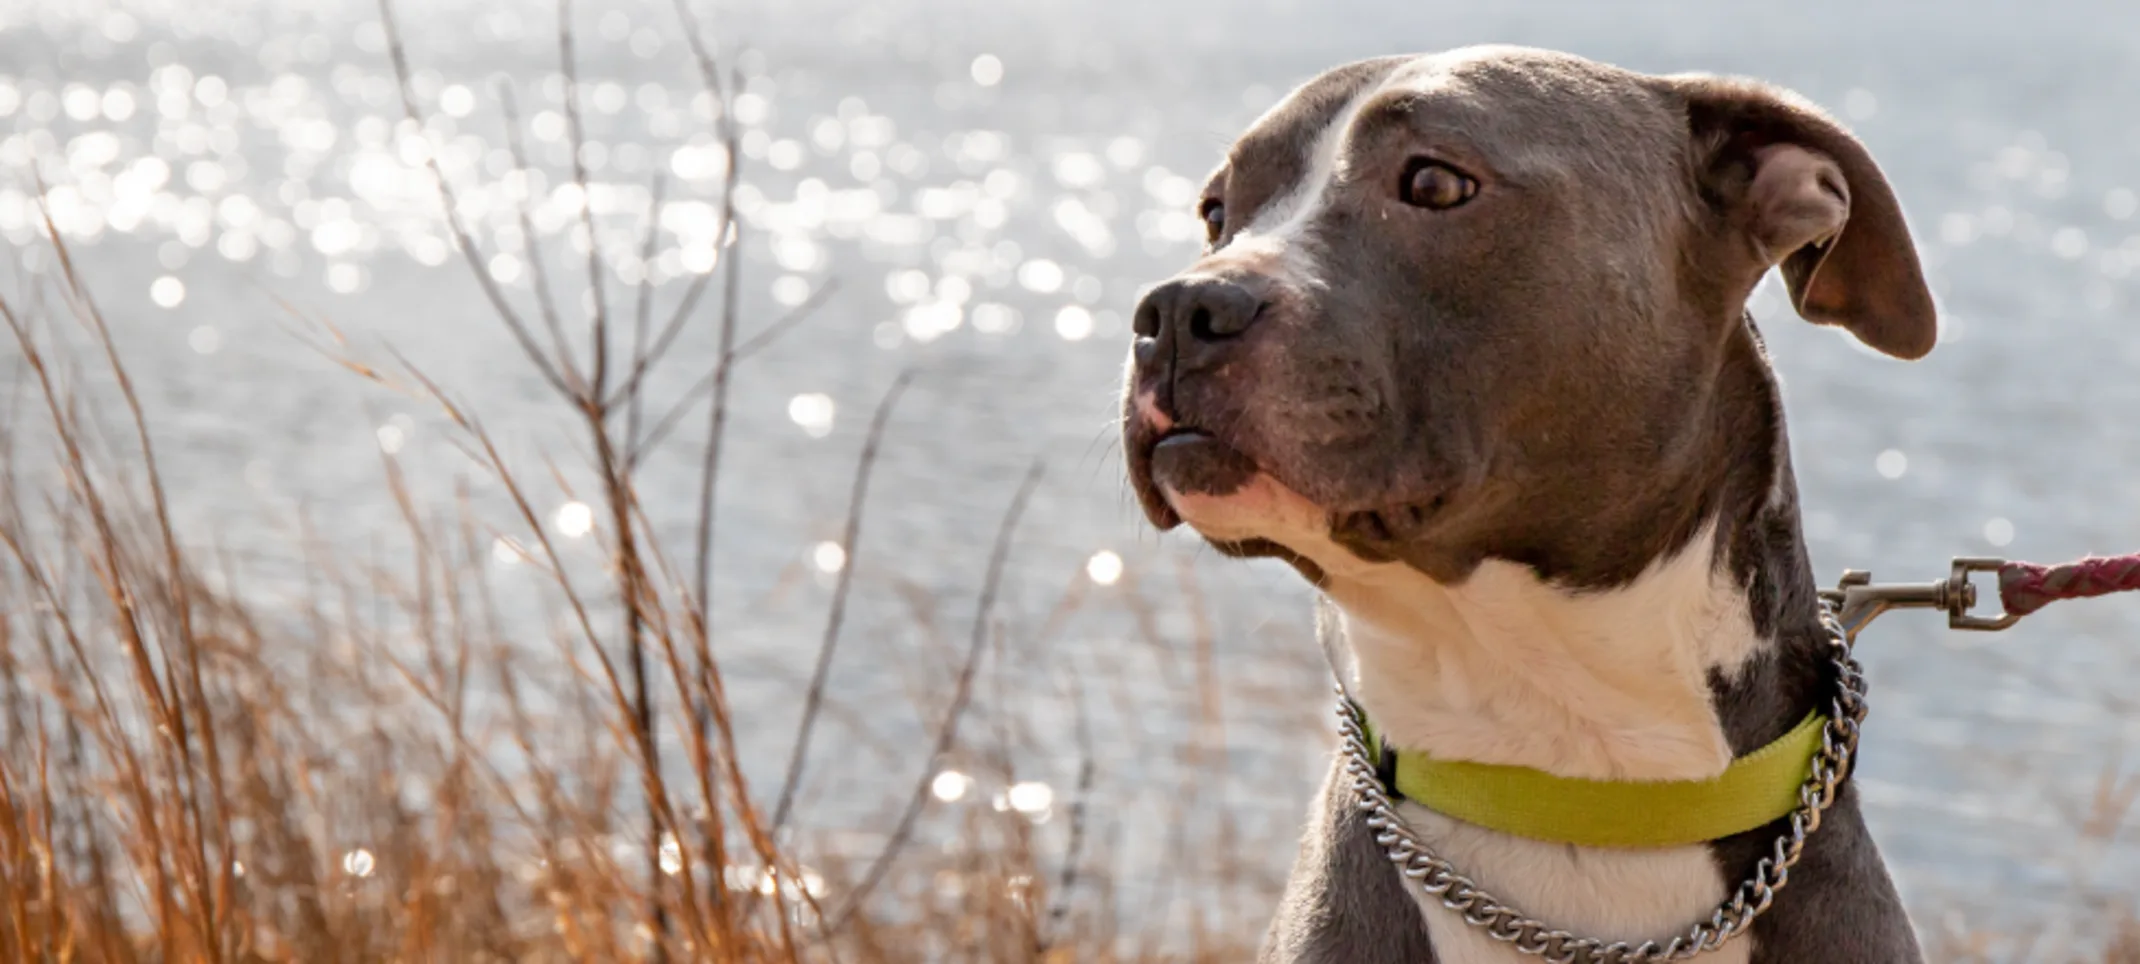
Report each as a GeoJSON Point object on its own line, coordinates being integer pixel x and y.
{"type": "Point", "coordinates": [1504, 668]}
{"type": "Point", "coordinates": [1709, 652]}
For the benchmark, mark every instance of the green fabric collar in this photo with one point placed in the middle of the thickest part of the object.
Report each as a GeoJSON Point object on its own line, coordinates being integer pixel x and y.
{"type": "Point", "coordinates": [1756, 790]}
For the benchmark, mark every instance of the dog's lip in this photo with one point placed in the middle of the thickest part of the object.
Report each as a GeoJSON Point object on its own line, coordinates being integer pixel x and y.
{"type": "Point", "coordinates": [1182, 433]}
{"type": "Point", "coordinates": [1204, 463]}
{"type": "Point", "coordinates": [1187, 433]}
{"type": "Point", "coordinates": [1375, 530]}
{"type": "Point", "coordinates": [1195, 463]}
{"type": "Point", "coordinates": [1157, 497]}
{"type": "Point", "coordinates": [1143, 442]}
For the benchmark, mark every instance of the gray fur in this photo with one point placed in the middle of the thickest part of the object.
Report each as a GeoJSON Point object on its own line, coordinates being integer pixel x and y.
{"type": "Point", "coordinates": [1343, 904]}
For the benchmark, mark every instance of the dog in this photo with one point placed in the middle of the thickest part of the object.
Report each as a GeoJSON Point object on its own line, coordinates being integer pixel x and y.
{"type": "Point", "coordinates": [1469, 349]}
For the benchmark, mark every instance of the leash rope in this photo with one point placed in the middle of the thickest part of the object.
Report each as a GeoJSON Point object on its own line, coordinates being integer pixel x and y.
{"type": "Point", "coordinates": [2024, 588]}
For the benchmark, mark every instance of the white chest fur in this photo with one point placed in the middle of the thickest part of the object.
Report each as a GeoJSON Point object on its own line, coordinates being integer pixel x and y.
{"type": "Point", "coordinates": [1605, 685]}
{"type": "Point", "coordinates": [1504, 668]}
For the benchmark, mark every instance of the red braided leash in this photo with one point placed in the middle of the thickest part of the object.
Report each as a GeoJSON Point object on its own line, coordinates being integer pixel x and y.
{"type": "Point", "coordinates": [2025, 587]}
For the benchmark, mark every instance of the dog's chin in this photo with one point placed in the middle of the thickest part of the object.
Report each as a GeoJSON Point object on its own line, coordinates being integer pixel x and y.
{"type": "Point", "coordinates": [1232, 502]}
{"type": "Point", "coordinates": [1243, 510]}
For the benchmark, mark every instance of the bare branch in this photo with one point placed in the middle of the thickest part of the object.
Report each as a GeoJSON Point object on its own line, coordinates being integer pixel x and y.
{"type": "Point", "coordinates": [947, 731]}
{"type": "Point", "coordinates": [814, 696]}
{"type": "Point", "coordinates": [635, 400]}
{"type": "Point", "coordinates": [787, 322]}
{"type": "Point", "coordinates": [706, 382]}
{"type": "Point", "coordinates": [1074, 849]}
{"type": "Point", "coordinates": [519, 329]}
{"type": "Point", "coordinates": [545, 300]}
{"type": "Point", "coordinates": [727, 237]}
{"type": "Point", "coordinates": [577, 132]}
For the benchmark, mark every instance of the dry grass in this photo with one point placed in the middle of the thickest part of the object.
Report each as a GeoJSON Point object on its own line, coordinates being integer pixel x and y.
{"type": "Point", "coordinates": [385, 767]}
{"type": "Point", "coordinates": [384, 772]}
{"type": "Point", "coordinates": [391, 766]}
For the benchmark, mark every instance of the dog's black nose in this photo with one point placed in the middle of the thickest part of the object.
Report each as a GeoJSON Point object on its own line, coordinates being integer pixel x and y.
{"type": "Point", "coordinates": [1193, 310]}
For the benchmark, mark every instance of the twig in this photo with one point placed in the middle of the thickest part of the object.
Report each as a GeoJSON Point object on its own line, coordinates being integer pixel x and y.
{"type": "Point", "coordinates": [1074, 849]}
{"type": "Point", "coordinates": [545, 300]}
{"type": "Point", "coordinates": [726, 238]}
{"type": "Point", "coordinates": [729, 242]}
{"type": "Point", "coordinates": [727, 245]}
{"type": "Point", "coordinates": [947, 732]}
{"type": "Point", "coordinates": [635, 401]}
{"type": "Point", "coordinates": [706, 382]}
{"type": "Point", "coordinates": [596, 291]}
{"type": "Point", "coordinates": [615, 468]}
{"type": "Point", "coordinates": [787, 322]}
{"type": "Point", "coordinates": [519, 329]}
{"type": "Point", "coordinates": [814, 696]}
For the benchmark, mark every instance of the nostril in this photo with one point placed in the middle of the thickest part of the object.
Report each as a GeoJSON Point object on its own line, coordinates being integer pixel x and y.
{"type": "Point", "coordinates": [1200, 309]}
{"type": "Point", "coordinates": [1200, 326]}
{"type": "Point", "coordinates": [1145, 322]}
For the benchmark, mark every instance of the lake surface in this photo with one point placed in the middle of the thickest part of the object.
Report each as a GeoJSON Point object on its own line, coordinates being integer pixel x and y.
{"type": "Point", "coordinates": [990, 184]}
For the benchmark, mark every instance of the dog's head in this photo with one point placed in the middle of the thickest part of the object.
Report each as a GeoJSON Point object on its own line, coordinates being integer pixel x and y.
{"type": "Point", "coordinates": [1488, 304]}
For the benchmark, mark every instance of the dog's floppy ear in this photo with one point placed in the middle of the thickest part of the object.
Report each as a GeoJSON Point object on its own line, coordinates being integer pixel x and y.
{"type": "Point", "coordinates": [1809, 198]}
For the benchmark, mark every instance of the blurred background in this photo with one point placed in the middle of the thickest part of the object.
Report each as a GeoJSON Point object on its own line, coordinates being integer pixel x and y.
{"type": "Point", "coordinates": [976, 192]}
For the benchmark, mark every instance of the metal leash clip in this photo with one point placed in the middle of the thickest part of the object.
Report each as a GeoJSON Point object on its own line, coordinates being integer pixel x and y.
{"type": "Point", "coordinates": [1857, 600]}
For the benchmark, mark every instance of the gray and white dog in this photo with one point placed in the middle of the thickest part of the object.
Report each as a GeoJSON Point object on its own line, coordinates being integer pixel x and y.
{"type": "Point", "coordinates": [1469, 349]}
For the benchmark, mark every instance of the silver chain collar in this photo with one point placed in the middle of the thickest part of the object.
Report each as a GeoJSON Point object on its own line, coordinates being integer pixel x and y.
{"type": "Point", "coordinates": [1440, 879]}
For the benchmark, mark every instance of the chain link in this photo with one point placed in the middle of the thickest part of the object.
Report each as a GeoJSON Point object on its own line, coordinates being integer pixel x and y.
{"type": "Point", "coordinates": [1440, 879]}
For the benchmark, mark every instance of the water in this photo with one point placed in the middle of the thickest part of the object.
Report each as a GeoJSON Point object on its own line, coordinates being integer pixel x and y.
{"type": "Point", "coordinates": [990, 185]}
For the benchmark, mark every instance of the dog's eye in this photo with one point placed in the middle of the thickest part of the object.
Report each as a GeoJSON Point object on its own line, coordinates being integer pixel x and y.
{"type": "Point", "coordinates": [1434, 185]}
{"type": "Point", "coordinates": [1213, 212]}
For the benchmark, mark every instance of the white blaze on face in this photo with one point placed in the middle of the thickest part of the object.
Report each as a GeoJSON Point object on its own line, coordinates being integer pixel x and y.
{"type": "Point", "coordinates": [1266, 508]}
{"type": "Point", "coordinates": [1279, 230]}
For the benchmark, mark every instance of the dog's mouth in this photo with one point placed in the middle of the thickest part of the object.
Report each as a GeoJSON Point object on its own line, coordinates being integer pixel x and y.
{"type": "Point", "coordinates": [1191, 461]}
{"type": "Point", "coordinates": [1188, 474]}
{"type": "Point", "coordinates": [1186, 467]}
{"type": "Point", "coordinates": [1169, 461]}
{"type": "Point", "coordinates": [1173, 461]}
